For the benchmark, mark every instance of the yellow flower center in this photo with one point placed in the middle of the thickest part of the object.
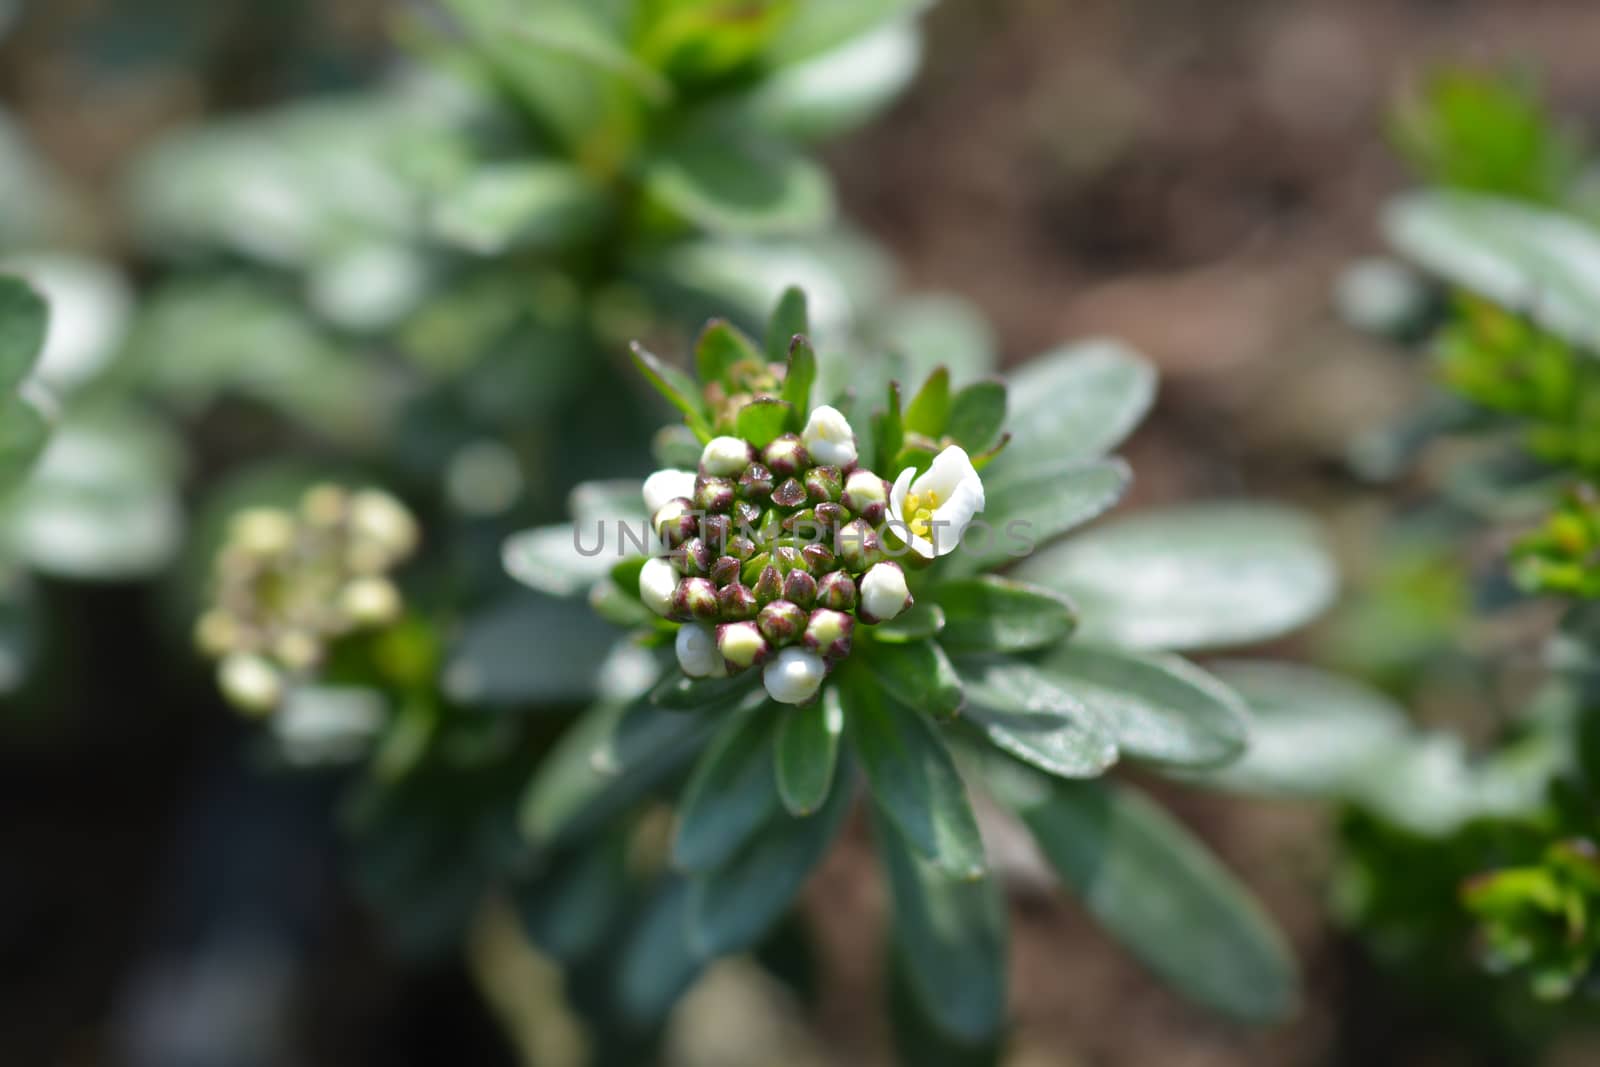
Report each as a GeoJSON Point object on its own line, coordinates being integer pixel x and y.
{"type": "Point", "coordinates": [919, 511]}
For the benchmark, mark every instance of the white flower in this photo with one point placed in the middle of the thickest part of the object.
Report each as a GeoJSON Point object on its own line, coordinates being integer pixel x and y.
{"type": "Point", "coordinates": [828, 437]}
{"type": "Point", "coordinates": [883, 592]}
{"type": "Point", "coordinates": [665, 485]}
{"type": "Point", "coordinates": [697, 651]}
{"type": "Point", "coordinates": [725, 456]}
{"type": "Point", "coordinates": [657, 582]}
{"type": "Point", "coordinates": [250, 682]}
{"type": "Point", "coordinates": [932, 512]}
{"type": "Point", "coordinates": [793, 676]}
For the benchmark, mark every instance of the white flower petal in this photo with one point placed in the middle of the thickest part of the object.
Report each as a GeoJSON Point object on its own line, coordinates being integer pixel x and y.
{"type": "Point", "coordinates": [657, 582]}
{"type": "Point", "coordinates": [828, 437]}
{"type": "Point", "coordinates": [696, 647]}
{"type": "Point", "coordinates": [665, 485]}
{"type": "Point", "coordinates": [793, 676]}
{"type": "Point", "coordinates": [897, 514]}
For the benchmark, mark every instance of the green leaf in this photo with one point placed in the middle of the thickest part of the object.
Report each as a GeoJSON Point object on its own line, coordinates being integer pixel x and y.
{"type": "Point", "coordinates": [802, 374]}
{"type": "Point", "coordinates": [489, 664]}
{"type": "Point", "coordinates": [929, 411]}
{"type": "Point", "coordinates": [1157, 890]}
{"type": "Point", "coordinates": [889, 428]}
{"type": "Point", "coordinates": [1312, 734]}
{"type": "Point", "coordinates": [679, 389]}
{"type": "Point", "coordinates": [657, 962]}
{"type": "Point", "coordinates": [922, 620]}
{"type": "Point", "coordinates": [24, 321]}
{"type": "Point", "coordinates": [1159, 708]}
{"type": "Point", "coordinates": [24, 431]}
{"type": "Point", "coordinates": [918, 1037]}
{"type": "Point", "coordinates": [739, 187]}
{"type": "Point", "coordinates": [977, 414]}
{"type": "Point", "coordinates": [1032, 506]}
{"type": "Point", "coordinates": [675, 445]}
{"type": "Point", "coordinates": [914, 782]}
{"type": "Point", "coordinates": [763, 419]}
{"type": "Point", "coordinates": [1031, 715]}
{"type": "Point", "coordinates": [927, 330]}
{"type": "Point", "coordinates": [807, 752]}
{"type": "Point", "coordinates": [990, 613]}
{"type": "Point", "coordinates": [731, 792]}
{"type": "Point", "coordinates": [568, 907]}
{"type": "Point", "coordinates": [552, 560]}
{"type": "Point", "coordinates": [502, 206]}
{"type": "Point", "coordinates": [839, 90]}
{"type": "Point", "coordinates": [789, 320]}
{"type": "Point", "coordinates": [1076, 402]}
{"type": "Point", "coordinates": [678, 692]}
{"type": "Point", "coordinates": [918, 674]}
{"type": "Point", "coordinates": [733, 907]}
{"type": "Point", "coordinates": [820, 25]}
{"type": "Point", "coordinates": [719, 348]}
{"type": "Point", "coordinates": [950, 932]}
{"type": "Point", "coordinates": [1204, 576]}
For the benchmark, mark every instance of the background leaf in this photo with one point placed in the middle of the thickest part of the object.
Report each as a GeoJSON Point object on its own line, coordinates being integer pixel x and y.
{"type": "Point", "coordinates": [990, 613]}
{"type": "Point", "coordinates": [737, 187]}
{"type": "Point", "coordinates": [977, 414]}
{"type": "Point", "coordinates": [24, 320]}
{"type": "Point", "coordinates": [1031, 715]}
{"type": "Point", "coordinates": [1076, 402]}
{"type": "Point", "coordinates": [1028, 507]}
{"type": "Point", "coordinates": [730, 794]}
{"type": "Point", "coordinates": [807, 752]}
{"type": "Point", "coordinates": [916, 673]}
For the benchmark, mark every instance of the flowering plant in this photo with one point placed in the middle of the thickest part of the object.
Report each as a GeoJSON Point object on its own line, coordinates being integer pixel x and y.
{"type": "Point", "coordinates": [813, 593]}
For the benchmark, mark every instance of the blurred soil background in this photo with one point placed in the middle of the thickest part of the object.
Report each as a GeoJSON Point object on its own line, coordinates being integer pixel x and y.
{"type": "Point", "coordinates": [1189, 176]}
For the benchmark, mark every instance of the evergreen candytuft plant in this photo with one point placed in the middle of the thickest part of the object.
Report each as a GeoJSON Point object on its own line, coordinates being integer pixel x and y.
{"type": "Point", "coordinates": [816, 603]}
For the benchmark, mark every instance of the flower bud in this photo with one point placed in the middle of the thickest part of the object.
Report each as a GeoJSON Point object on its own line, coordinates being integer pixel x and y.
{"type": "Point", "coordinates": [819, 558]}
{"type": "Point", "coordinates": [658, 581]}
{"type": "Point", "coordinates": [696, 647]}
{"type": "Point", "coordinates": [695, 598]}
{"type": "Point", "coordinates": [716, 531]}
{"type": "Point", "coordinates": [674, 522]}
{"type": "Point", "coordinates": [692, 558]}
{"type": "Point", "coordinates": [829, 438]}
{"type": "Point", "coordinates": [867, 495]}
{"type": "Point", "coordinates": [297, 650]}
{"type": "Point", "coordinates": [836, 590]}
{"type": "Point", "coordinates": [803, 526]}
{"type": "Point", "coordinates": [737, 601]}
{"type": "Point", "coordinates": [742, 645]}
{"type": "Point", "coordinates": [377, 517]}
{"type": "Point", "coordinates": [769, 585]}
{"type": "Point", "coordinates": [713, 494]}
{"type": "Point", "coordinates": [724, 570]}
{"type": "Point", "coordinates": [857, 546]}
{"type": "Point", "coordinates": [824, 484]}
{"type": "Point", "coordinates": [828, 633]}
{"type": "Point", "coordinates": [789, 494]}
{"type": "Point", "coordinates": [786, 457]}
{"type": "Point", "coordinates": [250, 682]}
{"type": "Point", "coordinates": [831, 516]}
{"type": "Point", "coordinates": [262, 532]}
{"type": "Point", "coordinates": [788, 558]}
{"type": "Point", "coordinates": [665, 485]}
{"type": "Point", "coordinates": [741, 548]}
{"type": "Point", "coordinates": [216, 632]}
{"type": "Point", "coordinates": [781, 622]}
{"type": "Point", "coordinates": [325, 505]}
{"type": "Point", "coordinates": [746, 516]}
{"type": "Point", "coordinates": [883, 593]}
{"type": "Point", "coordinates": [793, 676]}
{"type": "Point", "coordinates": [725, 456]}
{"type": "Point", "coordinates": [755, 483]}
{"type": "Point", "coordinates": [800, 587]}
{"type": "Point", "coordinates": [370, 601]}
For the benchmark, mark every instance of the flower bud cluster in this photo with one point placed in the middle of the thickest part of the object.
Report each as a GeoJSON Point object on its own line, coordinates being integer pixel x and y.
{"type": "Point", "coordinates": [771, 556]}
{"type": "Point", "coordinates": [287, 583]}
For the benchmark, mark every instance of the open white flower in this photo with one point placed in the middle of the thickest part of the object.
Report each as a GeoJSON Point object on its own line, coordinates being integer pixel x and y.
{"type": "Point", "coordinates": [793, 676]}
{"type": "Point", "coordinates": [828, 437]}
{"type": "Point", "coordinates": [665, 485]}
{"type": "Point", "coordinates": [933, 511]}
{"type": "Point", "coordinates": [696, 647]}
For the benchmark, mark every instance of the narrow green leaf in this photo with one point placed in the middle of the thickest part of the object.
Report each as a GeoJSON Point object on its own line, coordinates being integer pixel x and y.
{"type": "Point", "coordinates": [678, 692]}
{"type": "Point", "coordinates": [678, 388]}
{"type": "Point", "coordinates": [889, 430]}
{"type": "Point", "coordinates": [990, 613]}
{"type": "Point", "coordinates": [731, 792]}
{"type": "Point", "coordinates": [1157, 890]}
{"type": "Point", "coordinates": [763, 419]}
{"type": "Point", "coordinates": [24, 320]}
{"type": "Point", "coordinates": [807, 751]}
{"type": "Point", "coordinates": [801, 376]}
{"type": "Point", "coordinates": [1035, 718]}
{"type": "Point", "coordinates": [789, 320]}
{"type": "Point", "coordinates": [1076, 402]}
{"type": "Point", "coordinates": [922, 620]}
{"type": "Point", "coordinates": [918, 1036]}
{"type": "Point", "coordinates": [1159, 708]}
{"type": "Point", "coordinates": [950, 933]}
{"type": "Point", "coordinates": [914, 782]}
{"type": "Point", "coordinates": [1030, 507]}
{"type": "Point", "coordinates": [720, 346]}
{"type": "Point", "coordinates": [503, 206]}
{"type": "Point", "coordinates": [929, 411]}
{"type": "Point", "coordinates": [572, 903]}
{"type": "Point", "coordinates": [738, 187]}
{"type": "Point", "coordinates": [24, 432]}
{"type": "Point", "coordinates": [551, 559]}
{"type": "Point", "coordinates": [676, 446]}
{"type": "Point", "coordinates": [918, 674]}
{"type": "Point", "coordinates": [656, 962]}
{"type": "Point", "coordinates": [976, 415]}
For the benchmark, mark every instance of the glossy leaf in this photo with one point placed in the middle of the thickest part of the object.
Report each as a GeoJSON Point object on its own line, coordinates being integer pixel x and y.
{"type": "Point", "coordinates": [1034, 717]}
{"type": "Point", "coordinates": [720, 347]}
{"type": "Point", "coordinates": [918, 674]}
{"type": "Point", "coordinates": [731, 792]}
{"type": "Point", "coordinates": [789, 320]}
{"type": "Point", "coordinates": [990, 613]}
{"type": "Point", "coordinates": [552, 560]}
{"type": "Point", "coordinates": [801, 376]}
{"type": "Point", "coordinates": [763, 419]}
{"type": "Point", "coordinates": [807, 752]}
{"type": "Point", "coordinates": [1029, 507]}
{"type": "Point", "coordinates": [929, 410]}
{"type": "Point", "coordinates": [678, 692]}
{"type": "Point", "coordinates": [1076, 402]}
{"type": "Point", "coordinates": [977, 414]}
{"type": "Point", "coordinates": [919, 622]}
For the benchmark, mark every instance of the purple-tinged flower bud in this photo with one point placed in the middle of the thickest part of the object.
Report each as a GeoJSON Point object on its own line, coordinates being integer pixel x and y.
{"type": "Point", "coordinates": [675, 522]}
{"type": "Point", "coordinates": [803, 526]}
{"type": "Point", "coordinates": [786, 456]}
{"type": "Point", "coordinates": [883, 593]}
{"type": "Point", "coordinates": [789, 494]}
{"type": "Point", "coordinates": [713, 494]}
{"type": "Point", "coordinates": [725, 456]}
{"type": "Point", "coordinates": [867, 495]}
{"type": "Point", "coordinates": [781, 623]}
{"type": "Point", "coordinates": [769, 585]}
{"type": "Point", "coordinates": [695, 598]}
{"type": "Point", "coordinates": [755, 483]}
{"type": "Point", "coordinates": [724, 570]}
{"type": "Point", "coordinates": [800, 587]}
{"type": "Point", "coordinates": [857, 546]}
{"type": "Point", "coordinates": [831, 516]}
{"type": "Point", "coordinates": [828, 633]}
{"type": "Point", "coordinates": [692, 558]}
{"type": "Point", "coordinates": [741, 548]}
{"type": "Point", "coordinates": [736, 601]}
{"type": "Point", "coordinates": [788, 558]}
{"type": "Point", "coordinates": [746, 516]}
{"type": "Point", "coordinates": [819, 558]}
{"type": "Point", "coordinates": [717, 531]}
{"type": "Point", "coordinates": [824, 484]}
{"type": "Point", "coordinates": [836, 590]}
{"type": "Point", "coordinates": [742, 645]}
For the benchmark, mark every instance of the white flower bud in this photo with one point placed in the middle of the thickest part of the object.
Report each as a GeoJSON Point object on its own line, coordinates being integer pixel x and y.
{"type": "Point", "coordinates": [828, 437]}
{"type": "Point", "coordinates": [724, 457]}
{"type": "Point", "coordinates": [379, 517]}
{"type": "Point", "coordinates": [657, 582]}
{"type": "Point", "coordinates": [216, 632]}
{"type": "Point", "coordinates": [793, 676]}
{"type": "Point", "coordinates": [263, 532]}
{"type": "Point", "coordinates": [370, 601]}
{"type": "Point", "coordinates": [250, 683]}
{"type": "Point", "coordinates": [697, 651]}
{"type": "Point", "coordinates": [883, 592]}
{"type": "Point", "coordinates": [665, 485]}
